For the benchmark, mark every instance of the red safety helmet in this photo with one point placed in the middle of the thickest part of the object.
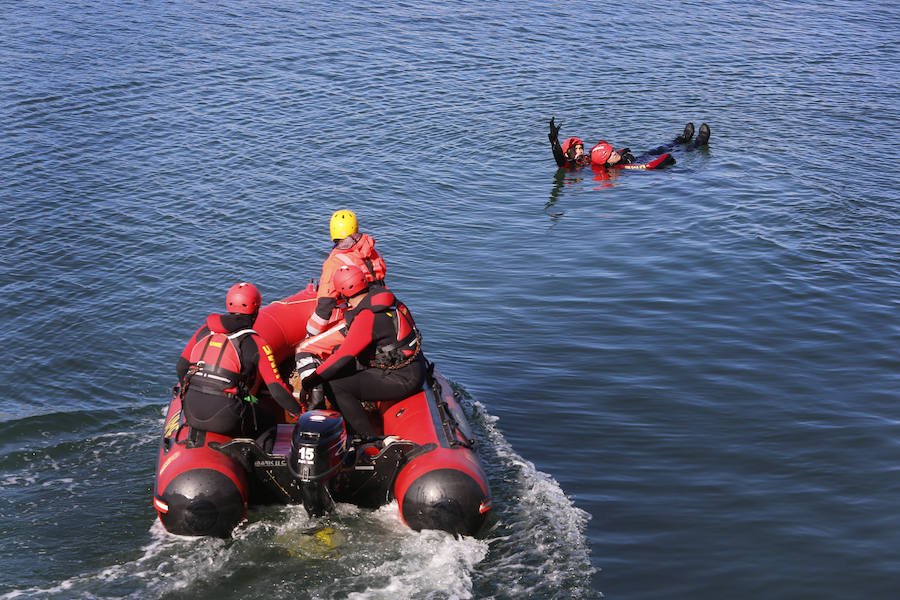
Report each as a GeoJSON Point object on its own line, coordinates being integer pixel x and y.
{"type": "Point", "coordinates": [569, 143]}
{"type": "Point", "coordinates": [349, 281]}
{"type": "Point", "coordinates": [243, 299]}
{"type": "Point", "coordinates": [600, 153]}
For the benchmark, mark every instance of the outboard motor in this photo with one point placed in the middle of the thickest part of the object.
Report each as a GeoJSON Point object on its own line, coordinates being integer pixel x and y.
{"type": "Point", "coordinates": [318, 449]}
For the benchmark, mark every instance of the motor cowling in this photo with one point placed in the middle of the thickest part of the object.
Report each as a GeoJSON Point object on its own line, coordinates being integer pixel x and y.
{"type": "Point", "coordinates": [319, 447]}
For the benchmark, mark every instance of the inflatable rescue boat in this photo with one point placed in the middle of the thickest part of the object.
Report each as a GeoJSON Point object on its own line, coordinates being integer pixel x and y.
{"type": "Point", "coordinates": [426, 461]}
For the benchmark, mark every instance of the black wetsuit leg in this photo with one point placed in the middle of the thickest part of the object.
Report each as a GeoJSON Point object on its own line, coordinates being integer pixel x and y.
{"type": "Point", "coordinates": [654, 152]}
{"type": "Point", "coordinates": [374, 385]}
{"type": "Point", "coordinates": [212, 413]}
{"type": "Point", "coordinates": [256, 419]}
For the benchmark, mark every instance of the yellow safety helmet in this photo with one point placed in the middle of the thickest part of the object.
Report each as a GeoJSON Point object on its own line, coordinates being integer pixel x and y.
{"type": "Point", "coordinates": [343, 223]}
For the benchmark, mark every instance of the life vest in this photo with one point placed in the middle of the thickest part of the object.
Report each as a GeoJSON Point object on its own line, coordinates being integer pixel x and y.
{"type": "Point", "coordinates": [409, 341]}
{"type": "Point", "coordinates": [406, 342]}
{"type": "Point", "coordinates": [216, 365]}
{"type": "Point", "coordinates": [363, 255]}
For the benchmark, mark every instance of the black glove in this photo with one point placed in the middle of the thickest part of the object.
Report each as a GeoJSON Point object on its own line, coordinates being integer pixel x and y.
{"type": "Point", "coordinates": [554, 131]}
{"type": "Point", "coordinates": [316, 398]}
{"type": "Point", "coordinates": [627, 156]}
{"type": "Point", "coordinates": [312, 381]}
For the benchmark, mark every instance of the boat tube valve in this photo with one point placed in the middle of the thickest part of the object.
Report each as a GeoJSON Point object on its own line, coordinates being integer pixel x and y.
{"type": "Point", "coordinates": [319, 446]}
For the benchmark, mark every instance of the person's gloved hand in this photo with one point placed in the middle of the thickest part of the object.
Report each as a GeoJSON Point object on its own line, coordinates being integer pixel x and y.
{"type": "Point", "coordinates": [627, 156]}
{"type": "Point", "coordinates": [312, 381]}
{"type": "Point", "coordinates": [554, 130]}
{"type": "Point", "coordinates": [306, 364]}
{"type": "Point", "coordinates": [316, 398]}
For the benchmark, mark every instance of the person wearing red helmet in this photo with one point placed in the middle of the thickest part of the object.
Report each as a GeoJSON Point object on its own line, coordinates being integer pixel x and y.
{"type": "Point", "coordinates": [380, 358]}
{"type": "Point", "coordinates": [571, 154]}
{"type": "Point", "coordinates": [350, 248]}
{"type": "Point", "coordinates": [573, 150]}
{"type": "Point", "coordinates": [223, 366]}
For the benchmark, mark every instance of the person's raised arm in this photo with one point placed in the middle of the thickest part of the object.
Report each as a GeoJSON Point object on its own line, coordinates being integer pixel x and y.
{"type": "Point", "coordinates": [558, 154]}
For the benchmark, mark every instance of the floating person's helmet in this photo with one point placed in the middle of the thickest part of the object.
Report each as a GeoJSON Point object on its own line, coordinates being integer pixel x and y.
{"type": "Point", "coordinates": [601, 152]}
{"type": "Point", "coordinates": [571, 143]}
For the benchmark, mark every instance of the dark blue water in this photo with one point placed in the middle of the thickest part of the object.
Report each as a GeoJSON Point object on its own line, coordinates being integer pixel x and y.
{"type": "Point", "coordinates": [684, 382]}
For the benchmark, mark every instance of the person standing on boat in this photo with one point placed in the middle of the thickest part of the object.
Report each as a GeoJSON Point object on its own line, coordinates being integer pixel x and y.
{"type": "Point", "coordinates": [350, 248]}
{"type": "Point", "coordinates": [223, 366]}
{"type": "Point", "coordinates": [570, 154]}
{"type": "Point", "coordinates": [380, 358]}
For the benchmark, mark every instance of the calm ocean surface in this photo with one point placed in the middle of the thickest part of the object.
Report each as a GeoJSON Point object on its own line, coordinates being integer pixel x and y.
{"type": "Point", "coordinates": [684, 382]}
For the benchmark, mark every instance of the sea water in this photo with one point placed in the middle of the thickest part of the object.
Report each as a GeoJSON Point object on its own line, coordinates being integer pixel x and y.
{"type": "Point", "coordinates": [683, 382]}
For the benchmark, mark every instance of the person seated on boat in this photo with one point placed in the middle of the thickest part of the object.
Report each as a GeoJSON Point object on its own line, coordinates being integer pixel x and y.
{"type": "Point", "coordinates": [350, 248]}
{"type": "Point", "coordinates": [380, 358]}
{"type": "Point", "coordinates": [570, 154]}
{"type": "Point", "coordinates": [224, 364]}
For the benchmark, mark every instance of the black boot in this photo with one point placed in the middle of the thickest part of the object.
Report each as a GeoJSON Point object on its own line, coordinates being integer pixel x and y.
{"type": "Point", "coordinates": [686, 136]}
{"type": "Point", "coordinates": [702, 136]}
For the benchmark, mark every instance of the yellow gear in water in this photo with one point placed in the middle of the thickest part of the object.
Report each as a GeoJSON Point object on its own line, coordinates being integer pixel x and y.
{"type": "Point", "coordinates": [343, 223]}
{"type": "Point", "coordinates": [326, 536]}
{"type": "Point", "coordinates": [321, 542]}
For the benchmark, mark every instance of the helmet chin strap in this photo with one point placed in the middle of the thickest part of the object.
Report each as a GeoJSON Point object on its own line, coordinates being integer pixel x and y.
{"type": "Point", "coordinates": [353, 301]}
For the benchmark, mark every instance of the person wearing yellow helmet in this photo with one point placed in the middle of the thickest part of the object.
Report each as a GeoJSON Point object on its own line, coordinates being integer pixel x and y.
{"type": "Point", "coordinates": [350, 248]}
{"type": "Point", "coordinates": [343, 223]}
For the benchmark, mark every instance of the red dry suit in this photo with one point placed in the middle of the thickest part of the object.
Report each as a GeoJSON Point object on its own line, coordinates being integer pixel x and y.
{"type": "Point", "coordinates": [358, 250]}
{"type": "Point", "coordinates": [222, 366]}
{"type": "Point", "coordinates": [382, 339]}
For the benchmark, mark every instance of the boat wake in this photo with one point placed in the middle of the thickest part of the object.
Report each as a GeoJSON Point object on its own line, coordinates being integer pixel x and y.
{"type": "Point", "coordinates": [537, 541]}
{"type": "Point", "coordinates": [533, 547]}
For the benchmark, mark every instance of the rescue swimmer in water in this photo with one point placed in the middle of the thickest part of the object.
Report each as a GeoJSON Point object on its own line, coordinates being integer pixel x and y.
{"type": "Point", "coordinates": [571, 154]}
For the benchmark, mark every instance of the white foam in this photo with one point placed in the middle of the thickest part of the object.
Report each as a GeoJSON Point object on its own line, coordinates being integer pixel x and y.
{"type": "Point", "coordinates": [534, 548]}
{"type": "Point", "coordinates": [538, 544]}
